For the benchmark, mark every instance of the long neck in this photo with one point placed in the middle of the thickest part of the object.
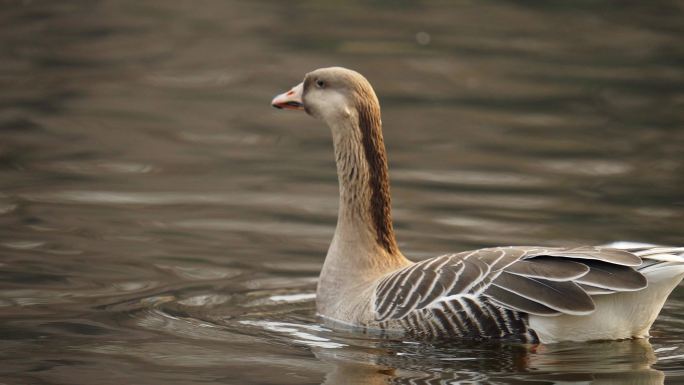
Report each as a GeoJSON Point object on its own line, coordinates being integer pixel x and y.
{"type": "Point", "coordinates": [364, 244]}
{"type": "Point", "coordinates": [363, 247]}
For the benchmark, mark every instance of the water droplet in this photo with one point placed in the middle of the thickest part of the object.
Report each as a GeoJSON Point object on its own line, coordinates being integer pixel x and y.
{"type": "Point", "coordinates": [423, 38]}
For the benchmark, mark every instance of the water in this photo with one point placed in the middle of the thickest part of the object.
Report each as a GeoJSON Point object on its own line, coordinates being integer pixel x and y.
{"type": "Point", "coordinates": [160, 223]}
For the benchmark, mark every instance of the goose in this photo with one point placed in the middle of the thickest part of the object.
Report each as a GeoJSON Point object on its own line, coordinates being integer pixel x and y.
{"type": "Point", "coordinates": [522, 293]}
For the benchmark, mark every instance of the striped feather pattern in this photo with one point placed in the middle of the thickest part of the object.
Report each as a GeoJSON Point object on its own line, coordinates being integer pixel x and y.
{"type": "Point", "coordinates": [489, 293]}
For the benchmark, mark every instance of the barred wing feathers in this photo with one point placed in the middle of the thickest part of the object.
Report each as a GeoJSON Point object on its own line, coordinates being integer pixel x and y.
{"type": "Point", "coordinates": [541, 281]}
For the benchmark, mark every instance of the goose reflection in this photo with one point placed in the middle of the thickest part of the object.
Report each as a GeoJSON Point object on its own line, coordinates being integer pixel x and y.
{"type": "Point", "coordinates": [600, 363]}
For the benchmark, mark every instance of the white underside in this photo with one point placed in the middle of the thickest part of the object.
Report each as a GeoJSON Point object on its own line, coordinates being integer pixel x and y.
{"type": "Point", "coordinates": [617, 316]}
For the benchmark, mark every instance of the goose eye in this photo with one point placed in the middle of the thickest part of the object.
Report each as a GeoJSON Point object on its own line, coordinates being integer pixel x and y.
{"type": "Point", "coordinates": [320, 83]}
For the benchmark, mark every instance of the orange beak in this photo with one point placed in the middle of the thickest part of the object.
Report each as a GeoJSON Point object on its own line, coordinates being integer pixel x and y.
{"type": "Point", "coordinates": [290, 100]}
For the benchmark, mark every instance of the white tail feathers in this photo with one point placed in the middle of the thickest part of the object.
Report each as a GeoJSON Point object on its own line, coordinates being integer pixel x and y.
{"type": "Point", "coordinates": [662, 263]}
{"type": "Point", "coordinates": [626, 314]}
{"type": "Point", "coordinates": [659, 262]}
{"type": "Point", "coordinates": [665, 254]}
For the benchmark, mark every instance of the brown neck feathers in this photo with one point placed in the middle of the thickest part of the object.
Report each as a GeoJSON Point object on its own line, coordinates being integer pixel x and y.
{"type": "Point", "coordinates": [374, 148]}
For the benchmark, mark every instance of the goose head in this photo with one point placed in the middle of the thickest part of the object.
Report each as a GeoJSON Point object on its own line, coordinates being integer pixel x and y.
{"type": "Point", "coordinates": [333, 94]}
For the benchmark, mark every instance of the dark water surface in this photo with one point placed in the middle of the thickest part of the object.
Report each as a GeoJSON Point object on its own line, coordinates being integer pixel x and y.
{"type": "Point", "coordinates": [160, 223]}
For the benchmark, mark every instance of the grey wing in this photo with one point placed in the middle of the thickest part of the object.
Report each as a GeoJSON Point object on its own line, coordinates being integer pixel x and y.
{"type": "Point", "coordinates": [532, 280]}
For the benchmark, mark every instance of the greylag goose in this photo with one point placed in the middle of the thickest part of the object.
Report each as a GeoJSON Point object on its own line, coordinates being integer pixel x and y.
{"type": "Point", "coordinates": [524, 293]}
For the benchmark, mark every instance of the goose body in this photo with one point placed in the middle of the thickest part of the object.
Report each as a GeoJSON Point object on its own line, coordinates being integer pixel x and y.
{"type": "Point", "coordinates": [525, 293]}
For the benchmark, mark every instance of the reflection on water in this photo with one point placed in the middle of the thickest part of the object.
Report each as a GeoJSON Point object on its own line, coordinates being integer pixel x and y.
{"type": "Point", "coordinates": [159, 223]}
{"type": "Point", "coordinates": [556, 364]}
